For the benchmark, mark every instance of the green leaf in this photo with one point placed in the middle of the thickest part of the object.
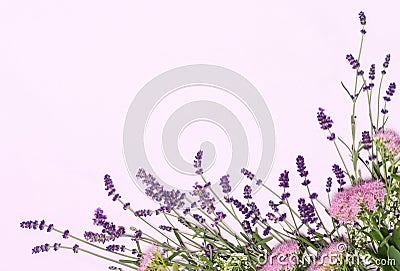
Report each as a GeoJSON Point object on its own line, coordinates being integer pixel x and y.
{"type": "Point", "coordinates": [376, 235]}
{"type": "Point", "coordinates": [395, 254]}
{"type": "Point", "coordinates": [396, 238]}
{"type": "Point", "coordinates": [176, 253]}
{"type": "Point", "coordinates": [174, 267]}
{"type": "Point", "coordinates": [396, 177]}
{"type": "Point", "coordinates": [263, 241]}
{"type": "Point", "coordinates": [308, 242]}
{"type": "Point", "coordinates": [245, 237]}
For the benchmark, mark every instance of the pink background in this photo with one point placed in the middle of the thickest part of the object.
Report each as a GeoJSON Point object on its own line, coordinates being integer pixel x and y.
{"type": "Point", "coordinates": [69, 70]}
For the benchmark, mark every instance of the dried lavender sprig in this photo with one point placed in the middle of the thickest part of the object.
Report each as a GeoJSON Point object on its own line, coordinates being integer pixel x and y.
{"type": "Point", "coordinates": [383, 73]}
{"type": "Point", "coordinates": [142, 174]}
{"type": "Point", "coordinates": [301, 168]}
{"type": "Point", "coordinates": [45, 248]}
{"type": "Point", "coordinates": [88, 243]}
{"type": "Point", "coordinates": [249, 175]}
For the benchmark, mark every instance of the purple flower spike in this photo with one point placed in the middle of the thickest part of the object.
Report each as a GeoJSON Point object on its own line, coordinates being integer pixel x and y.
{"type": "Point", "coordinates": [366, 140]}
{"type": "Point", "coordinates": [339, 176]}
{"type": "Point", "coordinates": [226, 188]}
{"type": "Point", "coordinates": [75, 248]}
{"type": "Point", "coordinates": [170, 198]}
{"type": "Point", "coordinates": [246, 227]}
{"type": "Point", "coordinates": [372, 72]}
{"type": "Point", "coordinates": [390, 92]}
{"type": "Point", "coordinates": [307, 212]}
{"type": "Point", "coordinates": [204, 197]}
{"type": "Point", "coordinates": [324, 120]}
{"type": "Point", "coordinates": [329, 185]}
{"type": "Point", "coordinates": [99, 217]}
{"type": "Point", "coordinates": [331, 137]}
{"type": "Point", "coordinates": [314, 196]}
{"type": "Point", "coordinates": [353, 62]}
{"type": "Point", "coordinates": [197, 162]}
{"type": "Point", "coordinates": [363, 18]}
{"type": "Point", "coordinates": [284, 179]}
{"type": "Point", "coordinates": [45, 248]}
{"type": "Point", "coordinates": [247, 173]}
{"type": "Point", "coordinates": [65, 234]}
{"type": "Point", "coordinates": [386, 63]}
{"type": "Point", "coordinates": [247, 192]}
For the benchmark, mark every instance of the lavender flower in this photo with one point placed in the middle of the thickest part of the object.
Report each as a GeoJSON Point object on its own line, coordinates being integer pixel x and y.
{"type": "Point", "coordinates": [171, 199]}
{"type": "Point", "coordinates": [353, 62]}
{"type": "Point", "coordinates": [205, 199]}
{"type": "Point", "coordinates": [366, 140]}
{"type": "Point", "coordinates": [267, 230]}
{"type": "Point", "coordinates": [197, 162]}
{"type": "Point", "coordinates": [307, 212]}
{"type": "Point", "coordinates": [372, 72]}
{"type": "Point", "coordinates": [273, 206]}
{"type": "Point", "coordinates": [137, 236]}
{"type": "Point", "coordinates": [247, 173]}
{"type": "Point", "coordinates": [219, 217]}
{"type": "Point", "coordinates": [247, 192]}
{"type": "Point", "coordinates": [116, 248]}
{"type": "Point", "coordinates": [331, 137]}
{"type": "Point", "coordinates": [199, 218]}
{"type": "Point", "coordinates": [99, 217]}
{"type": "Point", "coordinates": [65, 234]}
{"type": "Point", "coordinates": [324, 120]}
{"type": "Point", "coordinates": [284, 179]}
{"type": "Point", "coordinates": [246, 227]}
{"type": "Point", "coordinates": [362, 17]}
{"type": "Point", "coordinates": [45, 248]}
{"type": "Point", "coordinates": [109, 185]}
{"type": "Point", "coordinates": [126, 206]}
{"type": "Point", "coordinates": [32, 225]}
{"type": "Point", "coordinates": [328, 185]}
{"type": "Point", "coordinates": [314, 196]}
{"type": "Point", "coordinates": [386, 64]}
{"type": "Point", "coordinates": [301, 169]}
{"type": "Point", "coordinates": [390, 92]}
{"type": "Point", "coordinates": [75, 248]}
{"type": "Point", "coordinates": [50, 228]}
{"type": "Point", "coordinates": [143, 213]}
{"type": "Point", "coordinates": [226, 188]}
{"type": "Point", "coordinates": [95, 237]}
{"type": "Point", "coordinates": [240, 206]}
{"type": "Point", "coordinates": [253, 212]}
{"type": "Point", "coordinates": [285, 196]}
{"type": "Point", "coordinates": [166, 228]}
{"type": "Point", "coordinates": [339, 176]}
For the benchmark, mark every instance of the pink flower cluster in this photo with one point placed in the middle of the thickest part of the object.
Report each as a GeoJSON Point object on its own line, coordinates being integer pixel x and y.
{"type": "Point", "coordinates": [390, 139]}
{"type": "Point", "coordinates": [280, 258]}
{"type": "Point", "coordinates": [329, 258]}
{"type": "Point", "coordinates": [346, 205]}
{"type": "Point", "coordinates": [148, 257]}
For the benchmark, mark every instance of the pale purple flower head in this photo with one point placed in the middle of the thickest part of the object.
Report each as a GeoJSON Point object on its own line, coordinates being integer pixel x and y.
{"type": "Point", "coordinates": [148, 257]}
{"type": "Point", "coordinates": [347, 204]}
{"type": "Point", "coordinates": [281, 257]}
{"type": "Point", "coordinates": [390, 139]}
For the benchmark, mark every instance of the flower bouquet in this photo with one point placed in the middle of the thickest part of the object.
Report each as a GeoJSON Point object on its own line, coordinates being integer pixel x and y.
{"type": "Point", "coordinates": [355, 226]}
